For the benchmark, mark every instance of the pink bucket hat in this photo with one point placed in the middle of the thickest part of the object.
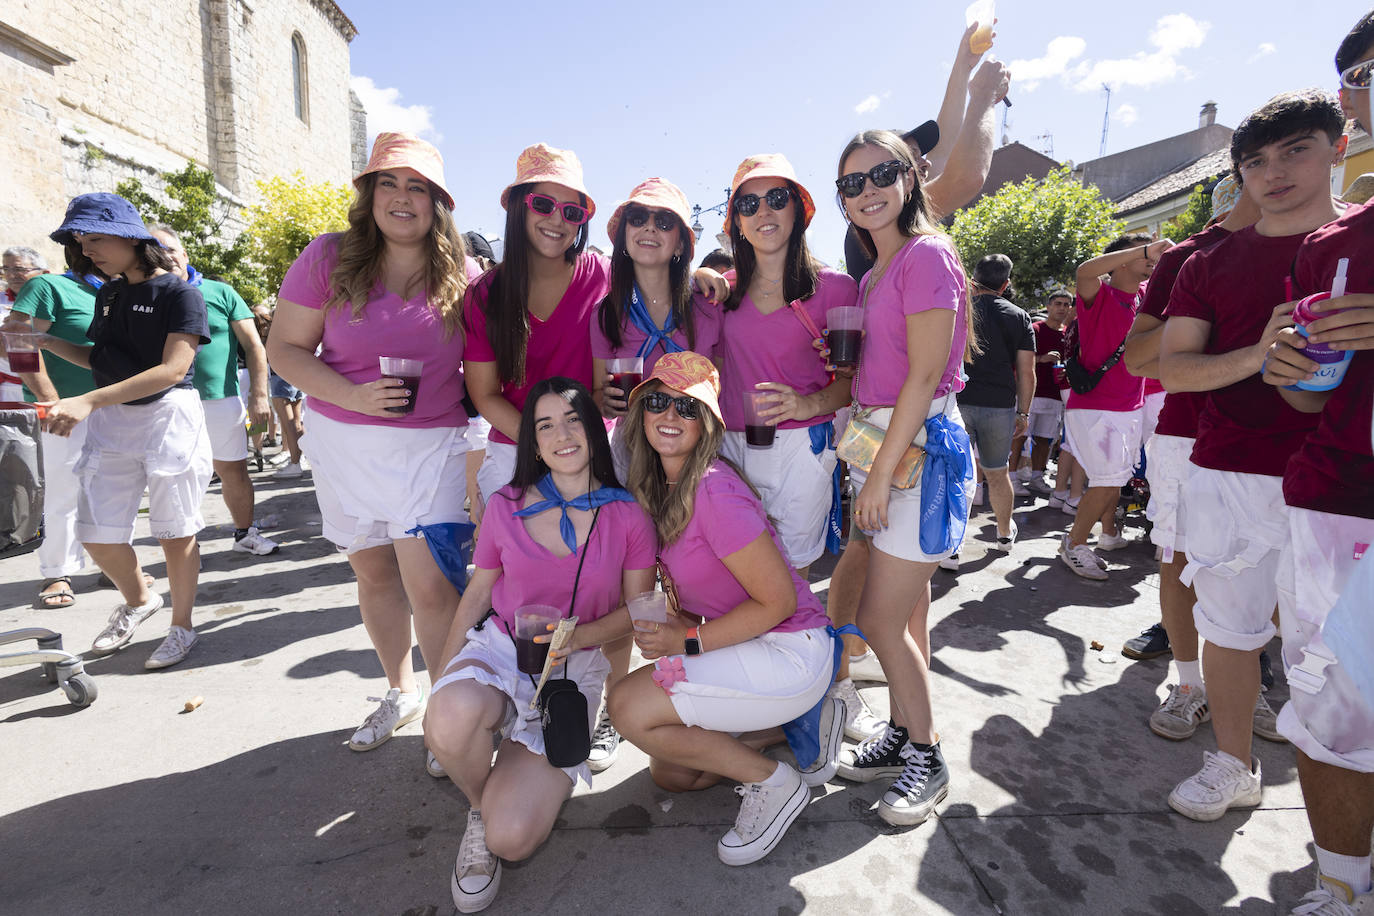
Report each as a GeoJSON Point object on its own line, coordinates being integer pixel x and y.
{"type": "Point", "coordinates": [393, 150]}
{"type": "Point", "coordinates": [691, 373]}
{"type": "Point", "coordinates": [660, 195]}
{"type": "Point", "coordinates": [768, 165]}
{"type": "Point", "coordinates": [1225, 195]}
{"type": "Point", "coordinates": [542, 162]}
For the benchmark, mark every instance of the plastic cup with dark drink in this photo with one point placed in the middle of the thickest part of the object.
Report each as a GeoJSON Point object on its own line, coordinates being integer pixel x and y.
{"type": "Point", "coordinates": [844, 333]}
{"type": "Point", "coordinates": [408, 371]}
{"type": "Point", "coordinates": [530, 621]}
{"type": "Point", "coordinates": [648, 608]}
{"type": "Point", "coordinates": [758, 433]}
{"type": "Point", "coordinates": [626, 373]}
{"type": "Point", "coordinates": [22, 348]}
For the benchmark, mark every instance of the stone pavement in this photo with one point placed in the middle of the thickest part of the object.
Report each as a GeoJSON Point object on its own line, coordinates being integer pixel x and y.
{"type": "Point", "coordinates": [254, 804]}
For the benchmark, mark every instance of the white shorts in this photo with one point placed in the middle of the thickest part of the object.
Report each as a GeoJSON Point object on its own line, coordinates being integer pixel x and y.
{"type": "Point", "coordinates": [374, 483]}
{"type": "Point", "coordinates": [1334, 725]}
{"type": "Point", "coordinates": [161, 447]}
{"type": "Point", "coordinates": [1046, 416]}
{"type": "Point", "coordinates": [491, 646]}
{"type": "Point", "coordinates": [1154, 403]}
{"type": "Point", "coordinates": [496, 470]}
{"type": "Point", "coordinates": [479, 430]}
{"type": "Point", "coordinates": [757, 684]}
{"type": "Point", "coordinates": [796, 487]}
{"type": "Point", "coordinates": [1167, 468]}
{"type": "Point", "coordinates": [224, 420]}
{"type": "Point", "coordinates": [1105, 442]}
{"type": "Point", "coordinates": [1237, 524]}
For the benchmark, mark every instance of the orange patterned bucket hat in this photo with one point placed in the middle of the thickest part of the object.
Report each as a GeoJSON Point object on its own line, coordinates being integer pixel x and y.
{"type": "Point", "coordinates": [393, 150]}
{"type": "Point", "coordinates": [661, 195]}
{"type": "Point", "coordinates": [691, 373]}
{"type": "Point", "coordinates": [542, 162]}
{"type": "Point", "coordinates": [768, 165]}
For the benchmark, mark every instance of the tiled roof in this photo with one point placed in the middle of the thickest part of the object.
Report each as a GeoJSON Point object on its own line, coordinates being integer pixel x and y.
{"type": "Point", "coordinates": [1202, 172]}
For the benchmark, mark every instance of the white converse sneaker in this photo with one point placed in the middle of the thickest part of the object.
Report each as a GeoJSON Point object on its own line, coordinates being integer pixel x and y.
{"type": "Point", "coordinates": [1334, 898]}
{"type": "Point", "coordinates": [866, 667]}
{"type": "Point", "coordinates": [394, 710]}
{"type": "Point", "coordinates": [123, 622]}
{"type": "Point", "coordinates": [1265, 721]}
{"type": "Point", "coordinates": [433, 767]}
{"type": "Point", "coordinates": [1070, 506]}
{"type": "Point", "coordinates": [765, 813]}
{"type": "Point", "coordinates": [605, 745]}
{"type": "Point", "coordinates": [860, 723]}
{"type": "Point", "coordinates": [1081, 560]}
{"type": "Point", "coordinates": [253, 542]}
{"type": "Point", "coordinates": [832, 739]}
{"type": "Point", "coordinates": [1181, 713]}
{"type": "Point", "coordinates": [476, 872]}
{"type": "Point", "coordinates": [174, 648]}
{"type": "Point", "coordinates": [1222, 783]}
{"type": "Point", "coordinates": [1111, 541]}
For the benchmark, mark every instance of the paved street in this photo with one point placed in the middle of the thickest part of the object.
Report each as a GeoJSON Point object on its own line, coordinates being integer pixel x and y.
{"type": "Point", "coordinates": [253, 803]}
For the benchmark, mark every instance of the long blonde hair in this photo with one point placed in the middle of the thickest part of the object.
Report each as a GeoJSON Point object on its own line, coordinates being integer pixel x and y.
{"type": "Point", "coordinates": [362, 254]}
{"type": "Point", "coordinates": [669, 507]}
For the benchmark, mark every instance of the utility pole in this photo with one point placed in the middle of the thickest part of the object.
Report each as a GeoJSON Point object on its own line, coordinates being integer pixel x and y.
{"type": "Point", "coordinates": [1106, 121]}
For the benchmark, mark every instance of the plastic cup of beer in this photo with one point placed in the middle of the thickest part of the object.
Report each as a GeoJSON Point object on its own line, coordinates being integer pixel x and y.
{"type": "Point", "coordinates": [980, 13]}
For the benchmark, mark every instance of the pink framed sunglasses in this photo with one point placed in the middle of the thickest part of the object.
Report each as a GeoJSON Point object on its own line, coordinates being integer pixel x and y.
{"type": "Point", "coordinates": [543, 204]}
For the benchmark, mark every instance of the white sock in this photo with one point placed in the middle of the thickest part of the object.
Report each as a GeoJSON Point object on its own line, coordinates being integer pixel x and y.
{"type": "Point", "coordinates": [779, 777]}
{"type": "Point", "coordinates": [861, 656]}
{"type": "Point", "coordinates": [1349, 870]}
{"type": "Point", "coordinates": [1189, 673]}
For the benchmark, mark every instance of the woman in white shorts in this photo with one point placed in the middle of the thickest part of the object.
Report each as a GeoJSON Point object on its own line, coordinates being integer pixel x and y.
{"type": "Point", "coordinates": [761, 655]}
{"type": "Point", "coordinates": [146, 427]}
{"type": "Point", "coordinates": [917, 333]}
{"type": "Point", "coordinates": [581, 559]}
{"type": "Point", "coordinates": [386, 456]}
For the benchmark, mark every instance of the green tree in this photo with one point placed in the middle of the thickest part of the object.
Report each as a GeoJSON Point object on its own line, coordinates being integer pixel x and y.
{"type": "Point", "coordinates": [1046, 226]}
{"type": "Point", "coordinates": [1192, 220]}
{"type": "Point", "coordinates": [288, 215]}
{"type": "Point", "coordinates": [198, 215]}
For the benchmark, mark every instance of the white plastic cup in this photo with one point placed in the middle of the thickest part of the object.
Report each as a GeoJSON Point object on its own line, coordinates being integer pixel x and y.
{"type": "Point", "coordinates": [648, 607]}
{"type": "Point", "coordinates": [982, 13]}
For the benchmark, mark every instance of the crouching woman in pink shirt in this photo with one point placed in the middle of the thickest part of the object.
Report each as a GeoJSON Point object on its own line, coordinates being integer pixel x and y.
{"type": "Point", "coordinates": [761, 655]}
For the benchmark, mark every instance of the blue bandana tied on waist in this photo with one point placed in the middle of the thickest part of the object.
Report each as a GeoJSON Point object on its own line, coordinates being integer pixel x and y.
{"type": "Point", "coordinates": [945, 482]}
{"type": "Point", "coordinates": [586, 502]}
{"type": "Point", "coordinates": [638, 313]}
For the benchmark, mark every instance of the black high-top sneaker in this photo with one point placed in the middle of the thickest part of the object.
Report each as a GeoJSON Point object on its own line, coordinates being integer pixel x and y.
{"type": "Point", "coordinates": [876, 757]}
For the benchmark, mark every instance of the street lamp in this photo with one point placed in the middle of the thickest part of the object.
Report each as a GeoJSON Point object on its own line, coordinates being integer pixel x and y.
{"type": "Point", "coordinates": [697, 210]}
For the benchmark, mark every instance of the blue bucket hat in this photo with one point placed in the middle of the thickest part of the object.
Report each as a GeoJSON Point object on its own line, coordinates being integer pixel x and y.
{"type": "Point", "coordinates": [107, 214]}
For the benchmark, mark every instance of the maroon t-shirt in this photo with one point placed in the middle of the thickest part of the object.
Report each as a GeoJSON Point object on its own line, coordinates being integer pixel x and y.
{"type": "Point", "coordinates": [1333, 471]}
{"type": "Point", "coordinates": [1234, 285]}
{"type": "Point", "coordinates": [1047, 339]}
{"type": "Point", "coordinates": [1181, 408]}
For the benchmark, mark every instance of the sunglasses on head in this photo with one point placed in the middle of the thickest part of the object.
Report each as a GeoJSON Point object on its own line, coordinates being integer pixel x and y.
{"type": "Point", "coordinates": [639, 216]}
{"type": "Point", "coordinates": [687, 407]}
{"type": "Point", "coordinates": [883, 175]}
{"type": "Point", "coordinates": [543, 204]}
{"type": "Point", "coordinates": [777, 198]}
{"type": "Point", "coordinates": [1357, 76]}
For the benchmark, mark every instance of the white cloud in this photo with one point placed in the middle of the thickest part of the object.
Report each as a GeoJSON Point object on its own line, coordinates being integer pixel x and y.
{"type": "Point", "coordinates": [385, 111]}
{"type": "Point", "coordinates": [1171, 36]}
{"type": "Point", "coordinates": [1059, 53]}
{"type": "Point", "coordinates": [1264, 50]}
{"type": "Point", "coordinates": [1126, 114]}
{"type": "Point", "coordinates": [869, 104]}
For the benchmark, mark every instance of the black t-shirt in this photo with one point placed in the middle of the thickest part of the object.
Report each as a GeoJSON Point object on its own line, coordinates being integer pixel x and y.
{"type": "Point", "coordinates": [132, 321]}
{"type": "Point", "coordinates": [1003, 329]}
{"type": "Point", "coordinates": [856, 260]}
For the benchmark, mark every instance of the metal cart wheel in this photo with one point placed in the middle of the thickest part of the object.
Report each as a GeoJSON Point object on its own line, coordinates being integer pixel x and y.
{"type": "Point", "coordinates": [80, 689]}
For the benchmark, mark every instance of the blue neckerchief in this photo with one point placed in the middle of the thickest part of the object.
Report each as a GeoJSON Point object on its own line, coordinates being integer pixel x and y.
{"type": "Point", "coordinates": [639, 316]}
{"type": "Point", "coordinates": [90, 280]}
{"type": "Point", "coordinates": [193, 276]}
{"type": "Point", "coordinates": [586, 502]}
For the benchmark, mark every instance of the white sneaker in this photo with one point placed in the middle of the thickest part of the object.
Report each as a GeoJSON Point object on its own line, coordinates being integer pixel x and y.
{"type": "Point", "coordinates": [1081, 560]}
{"type": "Point", "coordinates": [1018, 487]}
{"type": "Point", "coordinates": [1070, 506]}
{"type": "Point", "coordinates": [174, 648]}
{"type": "Point", "coordinates": [279, 458]}
{"type": "Point", "coordinates": [121, 626]}
{"type": "Point", "coordinates": [289, 470]}
{"type": "Point", "coordinates": [253, 542]}
{"type": "Point", "coordinates": [1005, 542]}
{"type": "Point", "coordinates": [1038, 484]}
{"type": "Point", "coordinates": [831, 738]}
{"type": "Point", "coordinates": [866, 667]}
{"type": "Point", "coordinates": [1222, 783]}
{"type": "Point", "coordinates": [605, 745]}
{"type": "Point", "coordinates": [393, 711]}
{"type": "Point", "coordinates": [1264, 722]}
{"type": "Point", "coordinates": [765, 813]}
{"type": "Point", "coordinates": [476, 872]}
{"type": "Point", "coordinates": [1058, 498]}
{"type": "Point", "coordinates": [1178, 717]}
{"type": "Point", "coordinates": [1334, 898]}
{"type": "Point", "coordinates": [433, 767]}
{"type": "Point", "coordinates": [1107, 541]}
{"type": "Point", "coordinates": [950, 563]}
{"type": "Point", "coordinates": [860, 723]}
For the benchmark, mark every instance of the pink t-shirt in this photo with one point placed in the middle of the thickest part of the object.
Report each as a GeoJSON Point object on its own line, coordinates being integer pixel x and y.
{"type": "Point", "coordinates": [705, 323]}
{"type": "Point", "coordinates": [924, 275]}
{"type": "Point", "coordinates": [777, 347]}
{"type": "Point", "coordinates": [727, 517]}
{"type": "Point", "coordinates": [561, 345]}
{"type": "Point", "coordinates": [624, 538]}
{"type": "Point", "coordinates": [388, 327]}
{"type": "Point", "coordinates": [1102, 327]}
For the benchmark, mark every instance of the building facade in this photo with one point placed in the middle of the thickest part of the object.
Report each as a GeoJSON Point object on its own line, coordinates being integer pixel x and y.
{"type": "Point", "coordinates": [100, 92]}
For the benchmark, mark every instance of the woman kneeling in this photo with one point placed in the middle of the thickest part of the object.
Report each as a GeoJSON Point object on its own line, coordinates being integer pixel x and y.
{"type": "Point", "coordinates": [761, 656]}
{"type": "Point", "coordinates": [579, 560]}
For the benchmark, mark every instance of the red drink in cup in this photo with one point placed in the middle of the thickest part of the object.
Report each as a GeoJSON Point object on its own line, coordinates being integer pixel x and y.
{"type": "Point", "coordinates": [844, 333]}
{"type": "Point", "coordinates": [22, 348]}
{"type": "Point", "coordinates": [530, 621]}
{"type": "Point", "coordinates": [758, 433]}
{"type": "Point", "coordinates": [408, 371]}
{"type": "Point", "coordinates": [626, 372]}
{"type": "Point", "coordinates": [23, 360]}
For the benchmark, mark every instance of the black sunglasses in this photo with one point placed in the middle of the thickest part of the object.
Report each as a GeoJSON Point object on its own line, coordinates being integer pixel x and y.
{"type": "Point", "coordinates": [883, 175]}
{"type": "Point", "coordinates": [748, 204]}
{"type": "Point", "coordinates": [688, 408]}
{"type": "Point", "coordinates": [639, 216]}
{"type": "Point", "coordinates": [1357, 76]}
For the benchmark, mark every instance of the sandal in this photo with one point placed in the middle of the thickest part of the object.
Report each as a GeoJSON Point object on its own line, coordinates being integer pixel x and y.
{"type": "Point", "coordinates": [63, 597]}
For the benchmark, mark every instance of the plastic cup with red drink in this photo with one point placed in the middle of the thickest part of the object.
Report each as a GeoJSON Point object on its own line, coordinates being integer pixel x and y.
{"type": "Point", "coordinates": [758, 432]}
{"type": "Point", "coordinates": [408, 371]}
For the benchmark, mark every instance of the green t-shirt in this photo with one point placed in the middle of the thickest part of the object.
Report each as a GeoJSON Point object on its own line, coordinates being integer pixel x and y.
{"type": "Point", "coordinates": [217, 363]}
{"type": "Point", "coordinates": [70, 305]}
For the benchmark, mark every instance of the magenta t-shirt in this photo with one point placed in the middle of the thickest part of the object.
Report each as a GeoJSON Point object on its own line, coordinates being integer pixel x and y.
{"type": "Point", "coordinates": [1102, 327]}
{"type": "Point", "coordinates": [727, 517]}
{"type": "Point", "coordinates": [777, 347]}
{"type": "Point", "coordinates": [388, 327]}
{"type": "Point", "coordinates": [560, 345]}
{"type": "Point", "coordinates": [705, 323]}
{"type": "Point", "coordinates": [924, 275]}
{"type": "Point", "coordinates": [624, 538]}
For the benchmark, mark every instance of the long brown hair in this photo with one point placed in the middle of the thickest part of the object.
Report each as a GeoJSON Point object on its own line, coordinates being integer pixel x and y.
{"type": "Point", "coordinates": [612, 310]}
{"type": "Point", "coordinates": [362, 255]}
{"type": "Point", "coordinates": [800, 273]}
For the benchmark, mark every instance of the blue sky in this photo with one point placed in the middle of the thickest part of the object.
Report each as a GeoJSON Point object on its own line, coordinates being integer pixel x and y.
{"type": "Point", "coordinates": [686, 92]}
